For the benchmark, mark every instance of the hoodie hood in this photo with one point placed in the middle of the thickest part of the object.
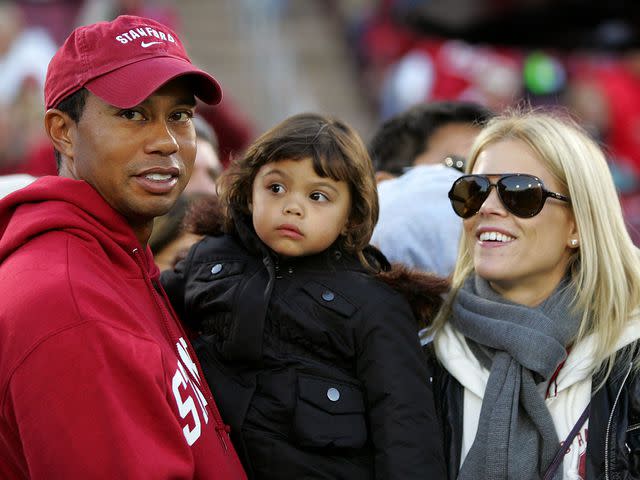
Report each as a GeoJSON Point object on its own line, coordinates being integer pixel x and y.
{"type": "Point", "coordinates": [57, 203]}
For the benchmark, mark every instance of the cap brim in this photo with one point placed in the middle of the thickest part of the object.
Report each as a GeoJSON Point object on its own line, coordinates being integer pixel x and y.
{"type": "Point", "coordinates": [130, 85]}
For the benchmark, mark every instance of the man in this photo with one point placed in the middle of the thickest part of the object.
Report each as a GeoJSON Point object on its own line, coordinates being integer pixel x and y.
{"type": "Point", "coordinates": [413, 153]}
{"type": "Point", "coordinates": [97, 376]}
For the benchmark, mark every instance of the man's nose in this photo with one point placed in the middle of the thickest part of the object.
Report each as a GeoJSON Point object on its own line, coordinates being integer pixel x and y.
{"type": "Point", "coordinates": [162, 139]}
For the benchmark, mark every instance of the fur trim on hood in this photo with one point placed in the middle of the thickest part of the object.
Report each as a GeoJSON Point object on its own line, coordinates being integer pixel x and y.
{"type": "Point", "coordinates": [204, 217]}
{"type": "Point", "coordinates": [424, 291]}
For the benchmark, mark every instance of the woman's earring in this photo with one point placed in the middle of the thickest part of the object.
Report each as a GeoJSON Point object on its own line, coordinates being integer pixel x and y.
{"type": "Point", "coordinates": [574, 242]}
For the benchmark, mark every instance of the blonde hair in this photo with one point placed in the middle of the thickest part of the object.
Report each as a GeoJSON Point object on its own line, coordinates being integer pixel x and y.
{"type": "Point", "coordinates": [605, 270]}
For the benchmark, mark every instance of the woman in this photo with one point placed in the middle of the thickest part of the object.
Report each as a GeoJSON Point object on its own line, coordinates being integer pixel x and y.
{"type": "Point", "coordinates": [538, 336]}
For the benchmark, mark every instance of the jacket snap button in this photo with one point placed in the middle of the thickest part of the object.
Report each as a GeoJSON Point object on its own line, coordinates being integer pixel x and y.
{"type": "Point", "coordinates": [217, 268]}
{"type": "Point", "coordinates": [333, 394]}
{"type": "Point", "coordinates": [328, 296]}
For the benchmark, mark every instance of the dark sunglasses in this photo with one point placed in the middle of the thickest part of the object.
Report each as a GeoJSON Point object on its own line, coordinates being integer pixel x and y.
{"type": "Point", "coordinates": [521, 194]}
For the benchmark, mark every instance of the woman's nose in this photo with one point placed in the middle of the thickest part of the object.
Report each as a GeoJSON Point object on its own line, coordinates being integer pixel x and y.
{"type": "Point", "coordinates": [492, 203]}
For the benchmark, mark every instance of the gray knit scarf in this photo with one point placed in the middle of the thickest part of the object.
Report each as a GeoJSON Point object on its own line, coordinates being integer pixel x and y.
{"type": "Point", "coordinates": [522, 346]}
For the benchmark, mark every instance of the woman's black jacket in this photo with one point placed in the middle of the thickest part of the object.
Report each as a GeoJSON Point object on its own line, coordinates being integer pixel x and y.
{"type": "Point", "coordinates": [313, 362]}
{"type": "Point", "coordinates": [613, 436]}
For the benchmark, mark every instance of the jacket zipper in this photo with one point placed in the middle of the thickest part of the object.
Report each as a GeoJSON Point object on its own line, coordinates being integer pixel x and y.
{"type": "Point", "coordinates": [278, 270]}
{"type": "Point", "coordinates": [613, 409]}
{"type": "Point", "coordinates": [221, 428]}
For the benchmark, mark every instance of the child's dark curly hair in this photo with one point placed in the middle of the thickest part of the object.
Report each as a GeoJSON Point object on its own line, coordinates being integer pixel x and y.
{"type": "Point", "coordinates": [336, 151]}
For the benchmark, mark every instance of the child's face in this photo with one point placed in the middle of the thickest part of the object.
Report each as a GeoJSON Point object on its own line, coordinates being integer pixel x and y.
{"type": "Point", "coordinates": [295, 211]}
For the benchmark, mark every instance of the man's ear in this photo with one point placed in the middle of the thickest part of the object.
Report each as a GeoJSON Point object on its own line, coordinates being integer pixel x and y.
{"type": "Point", "coordinates": [58, 126]}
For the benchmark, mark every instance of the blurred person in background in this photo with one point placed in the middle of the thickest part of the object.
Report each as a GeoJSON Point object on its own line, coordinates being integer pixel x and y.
{"type": "Point", "coordinates": [418, 154]}
{"type": "Point", "coordinates": [425, 134]}
{"type": "Point", "coordinates": [535, 358]}
{"type": "Point", "coordinates": [234, 129]}
{"type": "Point", "coordinates": [170, 239]}
{"type": "Point", "coordinates": [158, 10]}
{"type": "Point", "coordinates": [605, 95]}
{"type": "Point", "coordinates": [207, 167]}
{"type": "Point", "coordinates": [57, 17]}
{"type": "Point", "coordinates": [25, 52]}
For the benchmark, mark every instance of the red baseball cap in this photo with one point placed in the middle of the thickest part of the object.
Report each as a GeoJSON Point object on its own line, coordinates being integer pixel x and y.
{"type": "Point", "coordinates": [123, 62]}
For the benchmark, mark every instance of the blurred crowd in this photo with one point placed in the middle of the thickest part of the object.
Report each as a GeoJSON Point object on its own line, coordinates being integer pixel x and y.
{"type": "Point", "coordinates": [399, 66]}
{"type": "Point", "coordinates": [595, 75]}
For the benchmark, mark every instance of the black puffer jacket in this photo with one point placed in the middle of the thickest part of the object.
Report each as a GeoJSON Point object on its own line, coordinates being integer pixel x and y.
{"type": "Point", "coordinates": [314, 362]}
{"type": "Point", "coordinates": [613, 444]}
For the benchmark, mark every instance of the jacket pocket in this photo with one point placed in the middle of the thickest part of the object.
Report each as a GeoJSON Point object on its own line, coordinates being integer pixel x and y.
{"type": "Point", "coordinates": [329, 413]}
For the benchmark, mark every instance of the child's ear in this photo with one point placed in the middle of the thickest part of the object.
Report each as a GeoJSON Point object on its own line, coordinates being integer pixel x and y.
{"type": "Point", "coordinates": [250, 207]}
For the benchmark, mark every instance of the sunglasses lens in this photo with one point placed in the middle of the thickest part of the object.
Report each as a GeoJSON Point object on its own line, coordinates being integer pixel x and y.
{"type": "Point", "coordinates": [467, 195]}
{"type": "Point", "coordinates": [522, 195]}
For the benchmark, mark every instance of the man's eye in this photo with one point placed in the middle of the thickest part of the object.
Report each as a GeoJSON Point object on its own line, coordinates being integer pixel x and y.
{"type": "Point", "coordinates": [319, 197]}
{"type": "Point", "coordinates": [132, 115]}
{"type": "Point", "coordinates": [182, 116]}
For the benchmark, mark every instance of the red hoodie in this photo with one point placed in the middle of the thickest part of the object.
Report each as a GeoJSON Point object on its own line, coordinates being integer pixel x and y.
{"type": "Point", "coordinates": [97, 377]}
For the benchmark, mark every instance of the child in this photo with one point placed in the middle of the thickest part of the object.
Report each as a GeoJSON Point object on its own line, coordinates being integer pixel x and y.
{"type": "Point", "coordinates": [313, 361]}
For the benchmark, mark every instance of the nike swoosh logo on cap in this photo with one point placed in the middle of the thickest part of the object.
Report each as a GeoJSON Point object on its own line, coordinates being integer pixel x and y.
{"type": "Point", "coordinates": [147, 45]}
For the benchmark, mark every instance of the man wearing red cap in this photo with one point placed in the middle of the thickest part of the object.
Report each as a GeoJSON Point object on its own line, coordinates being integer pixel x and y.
{"type": "Point", "coordinates": [97, 376]}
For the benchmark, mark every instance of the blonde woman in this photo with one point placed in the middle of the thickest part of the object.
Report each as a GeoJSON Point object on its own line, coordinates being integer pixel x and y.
{"type": "Point", "coordinates": [536, 346]}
